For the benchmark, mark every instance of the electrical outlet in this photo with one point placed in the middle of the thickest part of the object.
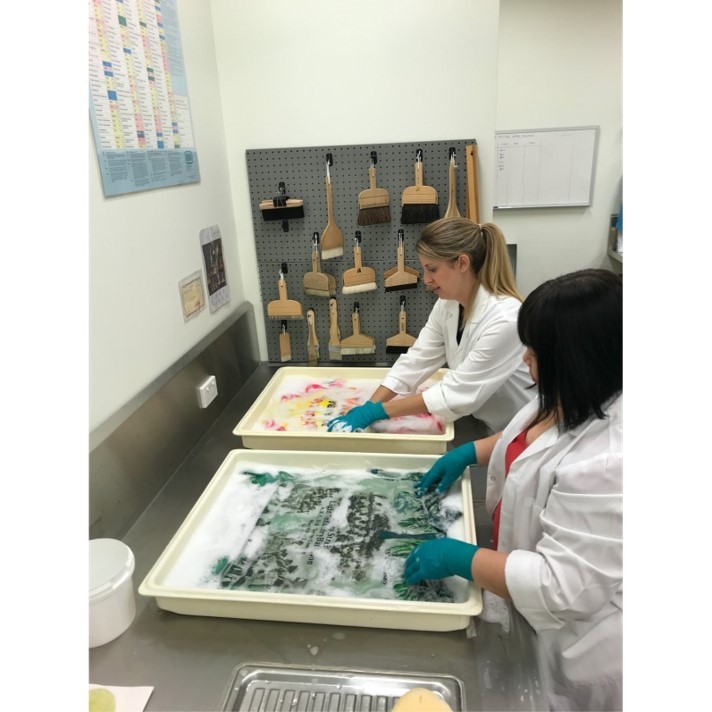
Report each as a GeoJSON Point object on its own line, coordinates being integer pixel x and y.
{"type": "Point", "coordinates": [207, 391]}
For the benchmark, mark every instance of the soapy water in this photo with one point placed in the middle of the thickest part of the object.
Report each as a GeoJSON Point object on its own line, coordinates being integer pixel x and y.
{"type": "Point", "coordinates": [307, 404]}
{"type": "Point", "coordinates": [317, 533]}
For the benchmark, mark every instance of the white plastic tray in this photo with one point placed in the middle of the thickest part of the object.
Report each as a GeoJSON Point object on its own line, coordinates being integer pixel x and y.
{"type": "Point", "coordinates": [349, 611]}
{"type": "Point", "coordinates": [255, 437]}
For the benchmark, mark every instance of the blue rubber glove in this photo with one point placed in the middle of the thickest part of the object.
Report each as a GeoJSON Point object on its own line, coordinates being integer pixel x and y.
{"type": "Point", "coordinates": [438, 558]}
{"type": "Point", "coordinates": [447, 469]}
{"type": "Point", "coordinates": [358, 418]}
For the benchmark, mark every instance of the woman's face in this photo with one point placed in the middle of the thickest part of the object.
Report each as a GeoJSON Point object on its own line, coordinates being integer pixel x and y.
{"type": "Point", "coordinates": [449, 280]}
{"type": "Point", "coordinates": [530, 359]}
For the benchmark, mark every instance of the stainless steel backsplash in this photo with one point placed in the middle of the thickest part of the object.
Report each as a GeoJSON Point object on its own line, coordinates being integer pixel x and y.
{"type": "Point", "coordinates": [135, 452]}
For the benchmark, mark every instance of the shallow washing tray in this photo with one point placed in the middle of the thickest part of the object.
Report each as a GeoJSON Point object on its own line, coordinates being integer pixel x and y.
{"type": "Point", "coordinates": [393, 613]}
{"type": "Point", "coordinates": [292, 688]}
{"type": "Point", "coordinates": [254, 436]}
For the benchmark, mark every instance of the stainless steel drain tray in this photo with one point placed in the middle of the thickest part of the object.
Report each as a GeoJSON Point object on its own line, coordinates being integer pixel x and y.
{"type": "Point", "coordinates": [262, 688]}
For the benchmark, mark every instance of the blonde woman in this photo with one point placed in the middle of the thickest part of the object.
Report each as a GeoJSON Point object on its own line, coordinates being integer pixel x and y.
{"type": "Point", "coordinates": [472, 329]}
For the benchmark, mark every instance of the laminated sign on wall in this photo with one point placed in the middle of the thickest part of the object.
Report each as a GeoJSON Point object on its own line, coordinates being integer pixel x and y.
{"type": "Point", "coordinates": [138, 97]}
{"type": "Point", "coordinates": [211, 245]}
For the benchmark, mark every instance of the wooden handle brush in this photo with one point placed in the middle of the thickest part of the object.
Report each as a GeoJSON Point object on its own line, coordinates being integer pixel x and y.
{"type": "Point", "coordinates": [334, 332]}
{"type": "Point", "coordinates": [359, 278]}
{"type": "Point", "coordinates": [452, 211]}
{"type": "Point", "coordinates": [284, 308]}
{"type": "Point", "coordinates": [312, 340]}
{"type": "Point", "coordinates": [472, 206]}
{"type": "Point", "coordinates": [285, 344]}
{"type": "Point", "coordinates": [402, 341]}
{"type": "Point", "coordinates": [332, 239]}
{"type": "Point", "coordinates": [373, 203]}
{"type": "Point", "coordinates": [419, 202]}
{"type": "Point", "coordinates": [316, 283]}
{"type": "Point", "coordinates": [357, 343]}
{"type": "Point", "coordinates": [401, 277]}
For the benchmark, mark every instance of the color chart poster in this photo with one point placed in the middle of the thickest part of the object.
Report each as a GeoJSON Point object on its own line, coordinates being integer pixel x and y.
{"type": "Point", "coordinates": [138, 96]}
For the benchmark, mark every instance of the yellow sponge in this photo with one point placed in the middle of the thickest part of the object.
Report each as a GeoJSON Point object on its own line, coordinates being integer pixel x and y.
{"type": "Point", "coordinates": [421, 700]}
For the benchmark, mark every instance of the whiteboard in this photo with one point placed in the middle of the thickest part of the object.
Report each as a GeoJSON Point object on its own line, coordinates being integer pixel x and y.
{"type": "Point", "coordinates": [545, 168]}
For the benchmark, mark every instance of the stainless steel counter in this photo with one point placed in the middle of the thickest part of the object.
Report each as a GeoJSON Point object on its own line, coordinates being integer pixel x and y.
{"type": "Point", "coordinates": [189, 660]}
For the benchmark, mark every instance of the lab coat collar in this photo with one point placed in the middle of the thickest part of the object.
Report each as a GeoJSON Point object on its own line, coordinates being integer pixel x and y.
{"type": "Point", "coordinates": [482, 300]}
{"type": "Point", "coordinates": [522, 421]}
{"type": "Point", "coordinates": [552, 435]}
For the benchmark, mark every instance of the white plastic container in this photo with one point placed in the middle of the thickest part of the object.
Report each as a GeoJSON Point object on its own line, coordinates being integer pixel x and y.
{"type": "Point", "coordinates": [326, 609]}
{"type": "Point", "coordinates": [253, 436]}
{"type": "Point", "coordinates": [112, 605]}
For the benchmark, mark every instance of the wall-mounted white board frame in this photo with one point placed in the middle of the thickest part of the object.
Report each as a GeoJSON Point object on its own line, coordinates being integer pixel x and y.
{"type": "Point", "coordinates": [545, 168]}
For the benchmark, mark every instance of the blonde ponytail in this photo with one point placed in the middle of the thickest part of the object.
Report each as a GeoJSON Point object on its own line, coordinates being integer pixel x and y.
{"type": "Point", "coordinates": [496, 273]}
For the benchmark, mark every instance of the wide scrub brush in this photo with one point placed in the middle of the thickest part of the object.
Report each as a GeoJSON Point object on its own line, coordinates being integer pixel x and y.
{"type": "Point", "coordinates": [359, 278]}
{"type": "Point", "coordinates": [357, 343]}
{"type": "Point", "coordinates": [317, 283]}
{"type": "Point", "coordinates": [282, 208]}
{"type": "Point", "coordinates": [419, 202]}
{"type": "Point", "coordinates": [373, 203]}
{"type": "Point", "coordinates": [284, 308]}
{"type": "Point", "coordinates": [401, 277]}
{"type": "Point", "coordinates": [402, 341]}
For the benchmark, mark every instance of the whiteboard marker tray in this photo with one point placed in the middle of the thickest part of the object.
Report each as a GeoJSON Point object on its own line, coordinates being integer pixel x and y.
{"type": "Point", "coordinates": [304, 391]}
{"type": "Point", "coordinates": [295, 688]}
{"type": "Point", "coordinates": [285, 535]}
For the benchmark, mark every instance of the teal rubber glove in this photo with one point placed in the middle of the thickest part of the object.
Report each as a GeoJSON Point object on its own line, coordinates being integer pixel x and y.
{"type": "Point", "coordinates": [358, 418]}
{"type": "Point", "coordinates": [447, 469]}
{"type": "Point", "coordinates": [438, 558]}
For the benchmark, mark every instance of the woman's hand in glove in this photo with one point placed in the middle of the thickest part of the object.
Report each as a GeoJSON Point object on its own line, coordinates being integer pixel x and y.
{"type": "Point", "coordinates": [438, 558]}
{"type": "Point", "coordinates": [447, 469]}
{"type": "Point", "coordinates": [358, 418]}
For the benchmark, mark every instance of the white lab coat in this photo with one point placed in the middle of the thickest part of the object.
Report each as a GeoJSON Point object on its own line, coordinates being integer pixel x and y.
{"type": "Point", "coordinates": [561, 520]}
{"type": "Point", "coordinates": [486, 378]}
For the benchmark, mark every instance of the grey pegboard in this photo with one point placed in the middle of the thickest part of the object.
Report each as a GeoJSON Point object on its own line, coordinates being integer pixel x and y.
{"type": "Point", "coordinates": [303, 170]}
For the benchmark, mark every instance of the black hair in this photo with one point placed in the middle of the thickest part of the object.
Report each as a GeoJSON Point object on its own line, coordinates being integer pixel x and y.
{"type": "Point", "coordinates": [574, 326]}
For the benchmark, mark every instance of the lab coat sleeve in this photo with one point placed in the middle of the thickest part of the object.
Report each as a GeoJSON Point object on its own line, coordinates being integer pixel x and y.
{"type": "Point", "coordinates": [422, 359]}
{"type": "Point", "coordinates": [493, 358]}
{"type": "Point", "coordinates": [578, 563]}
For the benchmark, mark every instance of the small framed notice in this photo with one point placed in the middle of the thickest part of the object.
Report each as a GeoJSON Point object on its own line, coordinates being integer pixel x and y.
{"type": "Point", "coordinates": [211, 245]}
{"type": "Point", "coordinates": [192, 296]}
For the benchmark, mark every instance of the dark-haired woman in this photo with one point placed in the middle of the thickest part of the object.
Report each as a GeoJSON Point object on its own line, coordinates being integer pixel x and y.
{"type": "Point", "coordinates": [472, 328]}
{"type": "Point", "coordinates": [554, 489]}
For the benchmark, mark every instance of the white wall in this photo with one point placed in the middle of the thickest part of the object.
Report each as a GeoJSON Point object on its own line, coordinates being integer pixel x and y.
{"type": "Point", "coordinates": [276, 73]}
{"type": "Point", "coordinates": [560, 65]}
{"type": "Point", "coordinates": [141, 245]}
{"type": "Point", "coordinates": [323, 72]}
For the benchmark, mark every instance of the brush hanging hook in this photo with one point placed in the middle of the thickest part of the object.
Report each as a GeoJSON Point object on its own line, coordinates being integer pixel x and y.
{"type": "Point", "coordinates": [357, 238]}
{"type": "Point", "coordinates": [402, 303]}
{"type": "Point", "coordinates": [374, 158]}
{"type": "Point", "coordinates": [419, 155]}
{"type": "Point", "coordinates": [280, 201]}
{"type": "Point", "coordinates": [452, 156]}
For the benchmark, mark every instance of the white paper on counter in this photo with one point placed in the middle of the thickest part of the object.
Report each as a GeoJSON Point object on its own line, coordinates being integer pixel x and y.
{"type": "Point", "coordinates": [128, 699]}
